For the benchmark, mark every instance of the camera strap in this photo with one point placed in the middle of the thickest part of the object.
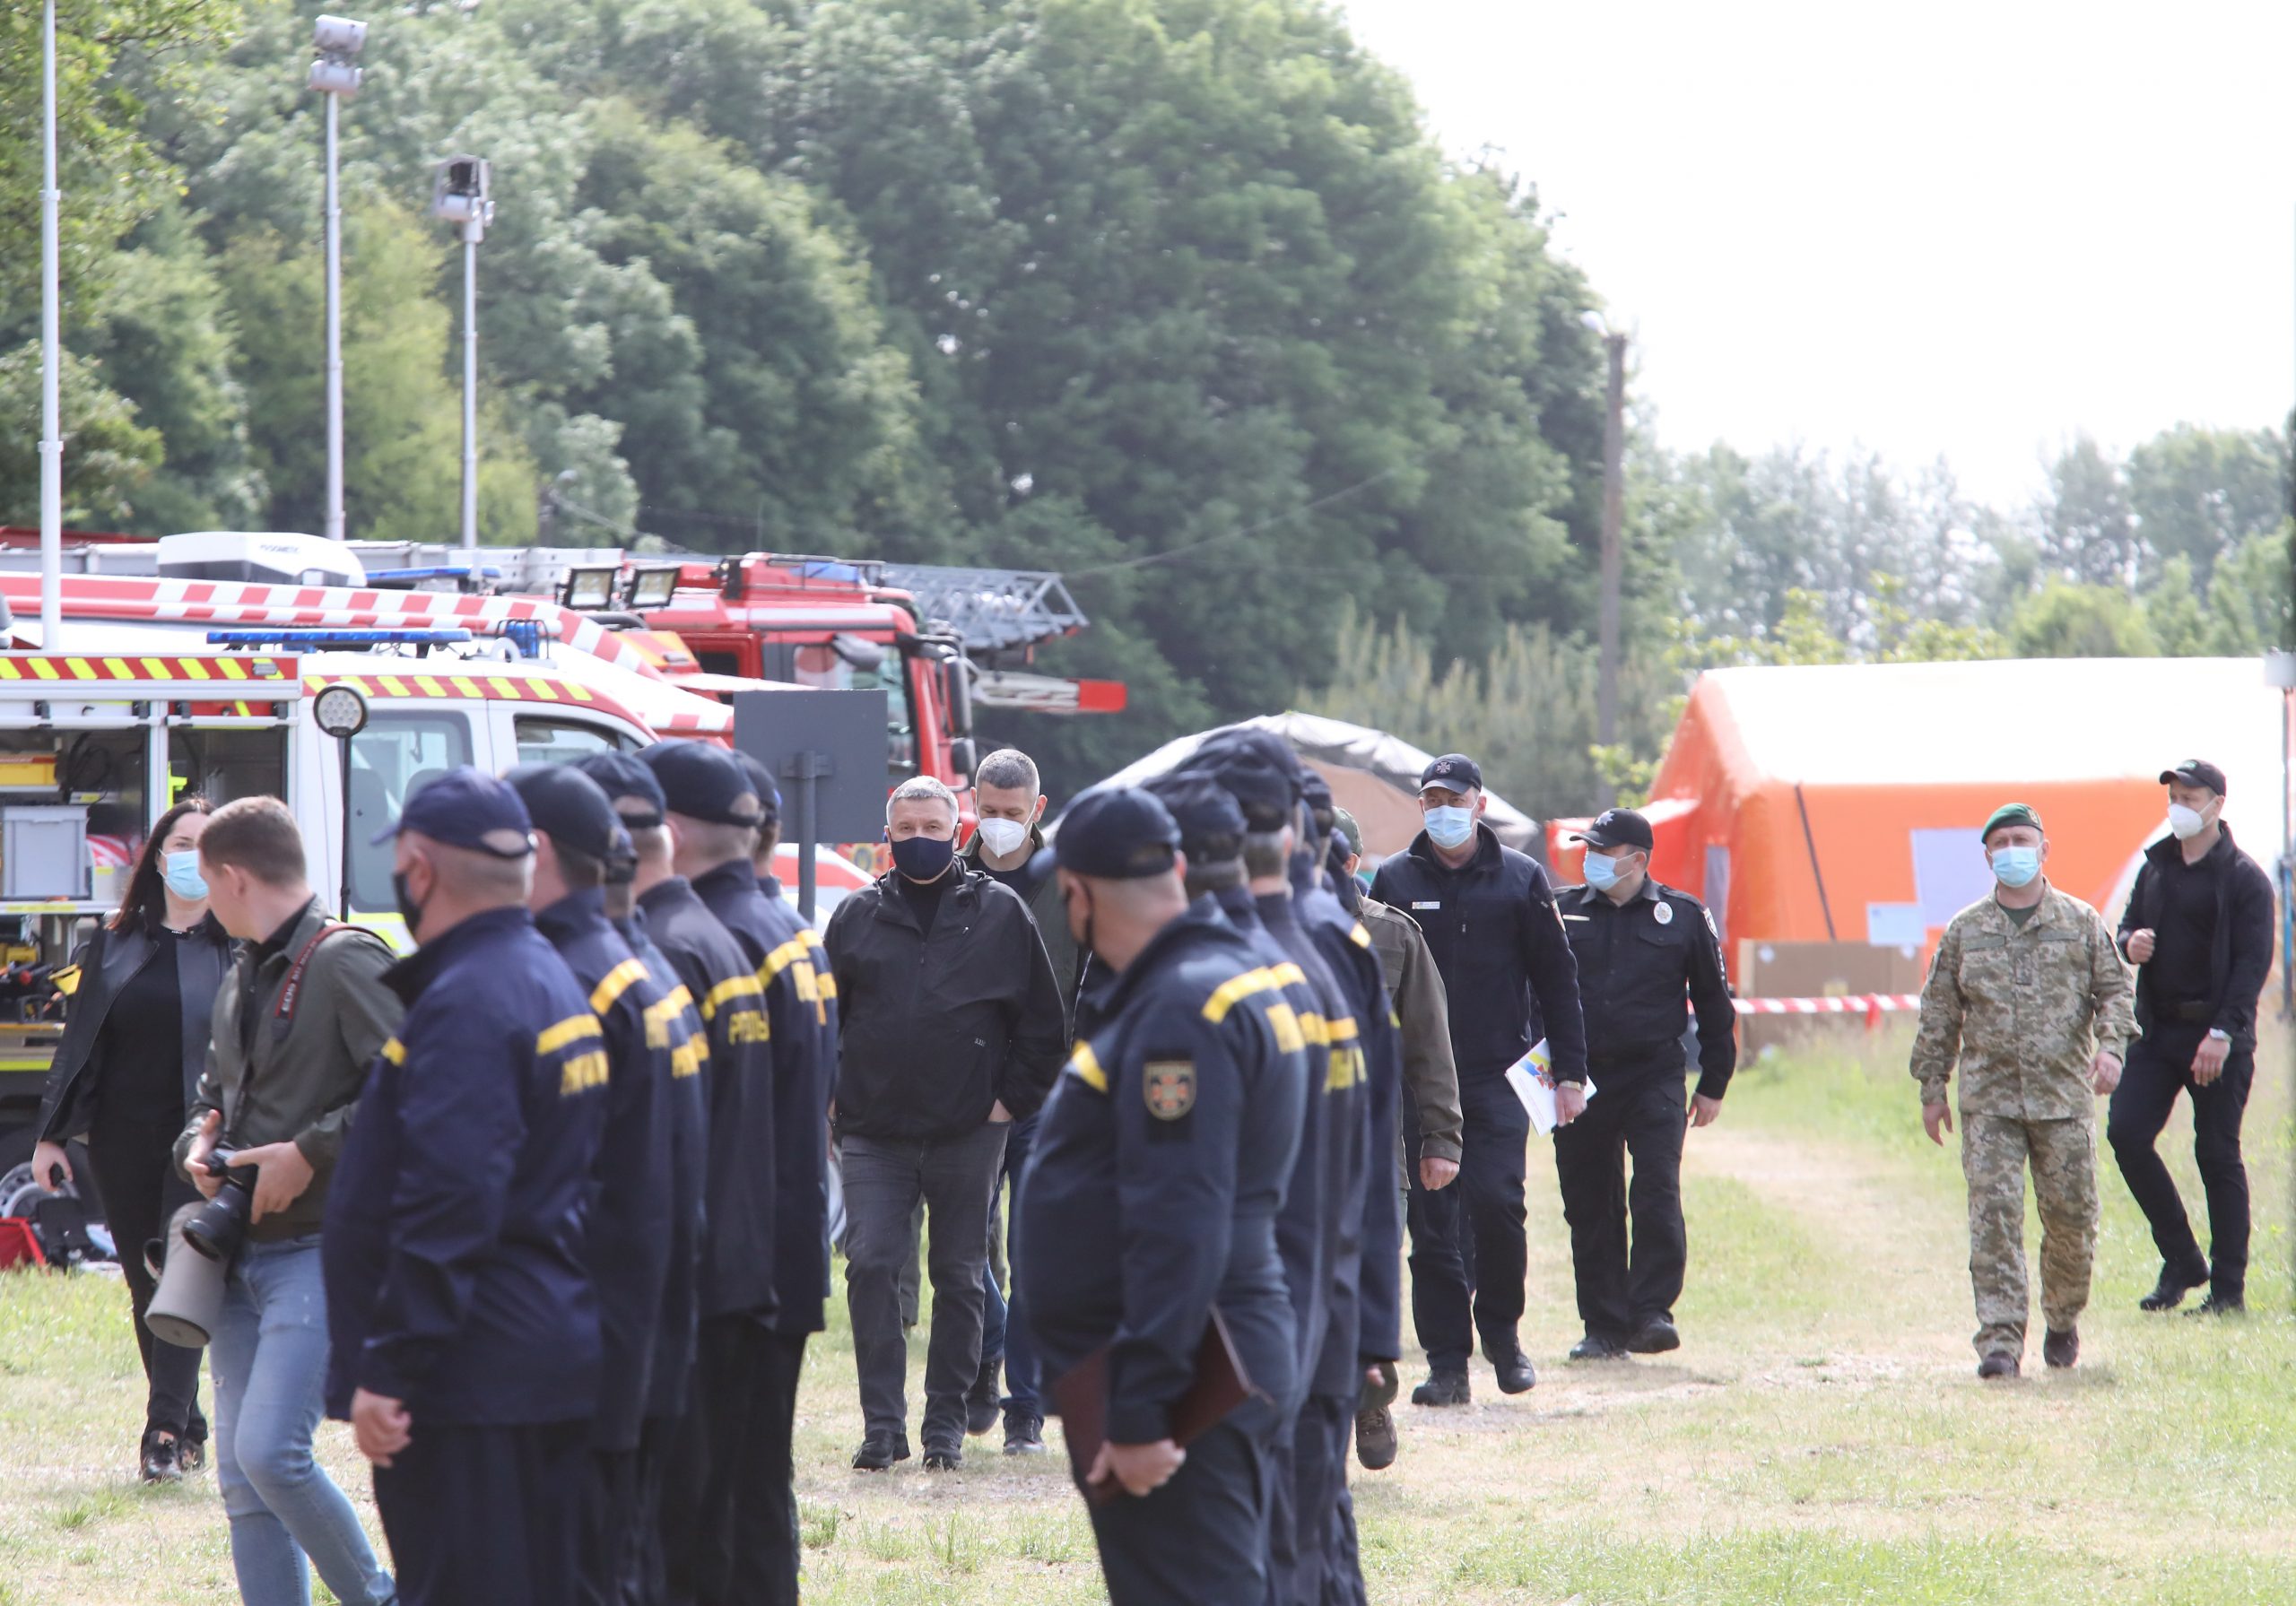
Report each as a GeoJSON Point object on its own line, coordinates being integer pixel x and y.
{"type": "Point", "coordinates": [290, 991]}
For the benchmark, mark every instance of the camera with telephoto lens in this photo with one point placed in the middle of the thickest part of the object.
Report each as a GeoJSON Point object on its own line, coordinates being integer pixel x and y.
{"type": "Point", "coordinates": [218, 1228]}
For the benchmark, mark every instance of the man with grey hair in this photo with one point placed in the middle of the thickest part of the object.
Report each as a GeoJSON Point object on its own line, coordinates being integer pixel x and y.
{"type": "Point", "coordinates": [950, 1029]}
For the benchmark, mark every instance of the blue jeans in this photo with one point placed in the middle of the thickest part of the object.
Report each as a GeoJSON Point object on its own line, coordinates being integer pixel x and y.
{"type": "Point", "coordinates": [1003, 1332]}
{"type": "Point", "coordinates": [269, 1361]}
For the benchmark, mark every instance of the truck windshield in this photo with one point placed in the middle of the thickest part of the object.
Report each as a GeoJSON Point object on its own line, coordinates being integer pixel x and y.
{"type": "Point", "coordinates": [394, 757]}
{"type": "Point", "coordinates": [821, 666]}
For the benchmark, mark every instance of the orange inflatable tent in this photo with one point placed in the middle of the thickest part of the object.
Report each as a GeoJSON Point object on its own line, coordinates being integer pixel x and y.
{"type": "Point", "coordinates": [1841, 802]}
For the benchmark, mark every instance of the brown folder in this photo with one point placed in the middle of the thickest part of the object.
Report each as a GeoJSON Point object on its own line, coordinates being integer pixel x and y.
{"type": "Point", "coordinates": [1082, 1394]}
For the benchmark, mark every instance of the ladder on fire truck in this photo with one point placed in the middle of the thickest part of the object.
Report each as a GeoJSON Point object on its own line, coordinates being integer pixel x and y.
{"type": "Point", "coordinates": [1002, 615]}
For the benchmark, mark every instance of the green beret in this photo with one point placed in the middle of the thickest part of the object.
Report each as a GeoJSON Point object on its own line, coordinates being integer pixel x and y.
{"type": "Point", "coordinates": [1348, 829]}
{"type": "Point", "coordinates": [2009, 814]}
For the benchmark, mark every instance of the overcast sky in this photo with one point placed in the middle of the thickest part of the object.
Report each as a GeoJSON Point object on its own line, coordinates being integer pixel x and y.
{"type": "Point", "coordinates": [1972, 229]}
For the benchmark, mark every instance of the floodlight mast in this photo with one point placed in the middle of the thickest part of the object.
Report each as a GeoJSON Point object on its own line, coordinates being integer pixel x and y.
{"type": "Point", "coordinates": [51, 355]}
{"type": "Point", "coordinates": [462, 197]}
{"type": "Point", "coordinates": [336, 75]}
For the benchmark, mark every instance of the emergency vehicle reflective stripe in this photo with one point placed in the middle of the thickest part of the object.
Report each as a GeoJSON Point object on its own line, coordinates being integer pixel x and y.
{"type": "Point", "coordinates": [487, 687]}
{"type": "Point", "coordinates": [221, 667]}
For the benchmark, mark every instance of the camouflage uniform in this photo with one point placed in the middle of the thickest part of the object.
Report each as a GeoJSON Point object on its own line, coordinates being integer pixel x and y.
{"type": "Point", "coordinates": [2024, 1011]}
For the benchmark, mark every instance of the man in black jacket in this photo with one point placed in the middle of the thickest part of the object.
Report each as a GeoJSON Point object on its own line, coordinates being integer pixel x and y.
{"type": "Point", "coordinates": [2198, 927]}
{"type": "Point", "coordinates": [1489, 917]}
{"type": "Point", "coordinates": [949, 1030]}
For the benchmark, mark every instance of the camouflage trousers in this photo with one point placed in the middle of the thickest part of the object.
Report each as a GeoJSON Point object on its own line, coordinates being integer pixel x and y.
{"type": "Point", "coordinates": [1995, 1153]}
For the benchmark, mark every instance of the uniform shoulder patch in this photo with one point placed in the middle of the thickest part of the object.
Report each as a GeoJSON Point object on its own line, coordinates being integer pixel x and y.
{"type": "Point", "coordinates": [1169, 1087]}
{"type": "Point", "coordinates": [1662, 912]}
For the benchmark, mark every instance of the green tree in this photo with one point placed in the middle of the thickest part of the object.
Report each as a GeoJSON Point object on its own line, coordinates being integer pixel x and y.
{"type": "Point", "coordinates": [2065, 619]}
{"type": "Point", "coordinates": [2088, 529]}
{"type": "Point", "coordinates": [107, 456]}
{"type": "Point", "coordinates": [2199, 493]}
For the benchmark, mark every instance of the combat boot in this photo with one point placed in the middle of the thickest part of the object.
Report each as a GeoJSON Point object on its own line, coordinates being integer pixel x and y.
{"type": "Point", "coordinates": [1999, 1364]}
{"type": "Point", "coordinates": [1375, 1424]}
{"type": "Point", "coordinates": [2176, 1282]}
{"type": "Point", "coordinates": [2061, 1349]}
{"type": "Point", "coordinates": [2221, 1305]}
{"type": "Point", "coordinates": [1441, 1388]}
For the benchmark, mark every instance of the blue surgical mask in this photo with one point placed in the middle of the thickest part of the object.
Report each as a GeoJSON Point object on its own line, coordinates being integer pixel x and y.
{"type": "Point", "coordinates": [183, 877]}
{"type": "Point", "coordinates": [1602, 871]}
{"type": "Point", "coordinates": [1450, 826]}
{"type": "Point", "coordinates": [2016, 866]}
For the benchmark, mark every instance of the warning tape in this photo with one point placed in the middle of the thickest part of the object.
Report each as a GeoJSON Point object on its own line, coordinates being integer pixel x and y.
{"type": "Point", "coordinates": [1869, 1004]}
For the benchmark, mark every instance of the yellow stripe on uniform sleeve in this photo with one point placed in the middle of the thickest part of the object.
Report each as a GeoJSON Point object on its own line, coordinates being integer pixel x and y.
{"type": "Point", "coordinates": [1086, 1064]}
{"type": "Point", "coordinates": [1359, 936]}
{"type": "Point", "coordinates": [572, 1030]}
{"type": "Point", "coordinates": [733, 986]}
{"type": "Point", "coordinates": [1229, 993]}
{"type": "Point", "coordinates": [395, 1052]}
{"type": "Point", "coordinates": [618, 981]}
{"type": "Point", "coordinates": [1342, 1028]}
{"type": "Point", "coordinates": [1289, 1036]}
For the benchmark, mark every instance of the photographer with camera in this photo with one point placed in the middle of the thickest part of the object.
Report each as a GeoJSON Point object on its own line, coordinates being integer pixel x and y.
{"type": "Point", "coordinates": [302, 1014]}
{"type": "Point", "coordinates": [135, 1042]}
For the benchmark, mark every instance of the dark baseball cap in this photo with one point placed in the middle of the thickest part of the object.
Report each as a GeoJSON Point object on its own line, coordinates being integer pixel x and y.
{"type": "Point", "coordinates": [1117, 834]}
{"type": "Point", "coordinates": [1454, 772]}
{"type": "Point", "coordinates": [1265, 792]}
{"type": "Point", "coordinates": [570, 808]}
{"type": "Point", "coordinates": [1266, 745]}
{"type": "Point", "coordinates": [1617, 827]}
{"type": "Point", "coordinates": [1316, 791]}
{"type": "Point", "coordinates": [629, 786]}
{"type": "Point", "coordinates": [769, 796]}
{"type": "Point", "coordinates": [469, 809]}
{"type": "Point", "coordinates": [2197, 772]}
{"type": "Point", "coordinates": [1210, 823]}
{"type": "Point", "coordinates": [703, 781]}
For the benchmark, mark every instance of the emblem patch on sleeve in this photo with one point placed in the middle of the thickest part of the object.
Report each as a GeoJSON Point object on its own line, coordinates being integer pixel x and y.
{"type": "Point", "coordinates": [1170, 1088]}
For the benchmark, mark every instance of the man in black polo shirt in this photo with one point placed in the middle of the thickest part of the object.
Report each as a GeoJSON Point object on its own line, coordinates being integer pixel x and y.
{"type": "Point", "coordinates": [2198, 927]}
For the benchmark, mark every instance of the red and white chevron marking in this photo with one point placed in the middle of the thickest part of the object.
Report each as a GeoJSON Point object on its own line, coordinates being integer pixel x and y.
{"type": "Point", "coordinates": [1869, 1004]}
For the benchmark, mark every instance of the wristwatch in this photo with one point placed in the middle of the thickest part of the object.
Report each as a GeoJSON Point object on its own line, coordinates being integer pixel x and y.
{"type": "Point", "coordinates": [2220, 1034]}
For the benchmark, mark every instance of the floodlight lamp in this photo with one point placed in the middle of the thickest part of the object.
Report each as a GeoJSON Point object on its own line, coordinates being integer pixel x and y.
{"type": "Point", "coordinates": [334, 78]}
{"type": "Point", "coordinates": [587, 589]}
{"type": "Point", "coordinates": [2280, 670]}
{"type": "Point", "coordinates": [341, 712]}
{"type": "Point", "coordinates": [338, 36]}
{"type": "Point", "coordinates": [653, 587]}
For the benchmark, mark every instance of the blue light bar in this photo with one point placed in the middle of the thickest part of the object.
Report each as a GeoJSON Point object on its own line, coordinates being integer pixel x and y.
{"type": "Point", "coordinates": [323, 641]}
{"type": "Point", "coordinates": [389, 577]}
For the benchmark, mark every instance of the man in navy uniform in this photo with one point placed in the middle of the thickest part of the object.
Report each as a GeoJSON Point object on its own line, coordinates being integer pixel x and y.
{"type": "Point", "coordinates": [462, 1318]}
{"type": "Point", "coordinates": [1488, 915]}
{"type": "Point", "coordinates": [636, 798]}
{"type": "Point", "coordinates": [1641, 949]}
{"type": "Point", "coordinates": [715, 812]}
{"type": "Point", "coordinates": [1151, 1199]}
{"type": "Point", "coordinates": [577, 836]}
{"type": "Point", "coordinates": [716, 1500]}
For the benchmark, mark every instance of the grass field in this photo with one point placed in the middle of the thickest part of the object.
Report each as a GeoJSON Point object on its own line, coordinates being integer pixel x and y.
{"type": "Point", "coordinates": [1821, 1436]}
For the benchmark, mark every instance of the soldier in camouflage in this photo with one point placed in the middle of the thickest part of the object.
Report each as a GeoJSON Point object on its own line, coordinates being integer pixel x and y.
{"type": "Point", "coordinates": [2030, 996]}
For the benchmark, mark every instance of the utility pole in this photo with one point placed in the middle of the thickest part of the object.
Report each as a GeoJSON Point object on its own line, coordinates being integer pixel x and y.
{"type": "Point", "coordinates": [51, 358]}
{"type": "Point", "coordinates": [335, 75]}
{"type": "Point", "coordinates": [1613, 526]}
{"type": "Point", "coordinates": [462, 198]}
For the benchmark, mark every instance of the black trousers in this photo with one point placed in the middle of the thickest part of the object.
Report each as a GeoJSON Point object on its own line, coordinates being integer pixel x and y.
{"type": "Point", "coordinates": [643, 1581]}
{"type": "Point", "coordinates": [485, 1515]}
{"type": "Point", "coordinates": [1621, 1287]}
{"type": "Point", "coordinates": [609, 1537]}
{"type": "Point", "coordinates": [729, 1509]}
{"type": "Point", "coordinates": [1200, 1539]}
{"type": "Point", "coordinates": [139, 1189]}
{"type": "Point", "coordinates": [1468, 1252]}
{"type": "Point", "coordinates": [2159, 1068]}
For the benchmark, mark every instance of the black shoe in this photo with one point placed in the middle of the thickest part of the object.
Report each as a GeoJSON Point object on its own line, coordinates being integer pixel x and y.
{"type": "Point", "coordinates": [1023, 1433]}
{"type": "Point", "coordinates": [2175, 1284]}
{"type": "Point", "coordinates": [1441, 1388]}
{"type": "Point", "coordinates": [2061, 1349]}
{"type": "Point", "coordinates": [1656, 1336]}
{"type": "Point", "coordinates": [160, 1462]}
{"type": "Point", "coordinates": [982, 1408]}
{"type": "Point", "coordinates": [2221, 1305]}
{"type": "Point", "coordinates": [1375, 1425]}
{"type": "Point", "coordinates": [880, 1451]}
{"type": "Point", "coordinates": [1999, 1364]}
{"type": "Point", "coordinates": [1598, 1346]}
{"type": "Point", "coordinates": [1515, 1374]}
{"type": "Point", "coordinates": [944, 1458]}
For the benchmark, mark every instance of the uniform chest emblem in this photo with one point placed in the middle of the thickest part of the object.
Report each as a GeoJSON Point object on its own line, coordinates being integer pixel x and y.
{"type": "Point", "coordinates": [1169, 1086]}
{"type": "Point", "coordinates": [1664, 914]}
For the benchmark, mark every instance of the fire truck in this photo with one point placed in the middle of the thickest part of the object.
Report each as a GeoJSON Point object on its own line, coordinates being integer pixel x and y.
{"type": "Point", "coordinates": [103, 731]}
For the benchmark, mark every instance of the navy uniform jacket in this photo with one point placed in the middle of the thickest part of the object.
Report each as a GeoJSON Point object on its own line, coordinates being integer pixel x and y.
{"type": "Point", "coordinates": [1311, 1233]}
{"type": "Point", "coordinates": [1636, 960]}
{"type": "Point", "coordinates": [738, 1190]}
{"type": "Point", "coordinates": [1158, 1172]}
{"type": "Point", "coordinates": [689, 1160]}
{"type": "Point", "coordinates": [457, 1270]}
{"type": "Point", "coordinates": [783, 955]}
{"type": "Point", "coordinates": [1371, 1214]}
{"type": "Point", "coordinates": [1507, 968]}
{"type": "Point", "coordinates": [630, 1201]}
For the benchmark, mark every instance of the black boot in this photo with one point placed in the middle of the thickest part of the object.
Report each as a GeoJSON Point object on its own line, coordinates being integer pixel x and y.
{"type": "Point", "coordinates": [1441, 1388]}
{"type": "Point", "coordinates": [2061, 1349]}
{"type": "Point", "coordinates": [1999, 1364]}
{"type": "Point", "coordinates": [879, 1451]}
{"type": "Point", "coordinates": [161, 1462]}
{"type": "Point", "coordinates": [981, 1405]}
{"type": "Point", "coordinates": [2176, 1282]}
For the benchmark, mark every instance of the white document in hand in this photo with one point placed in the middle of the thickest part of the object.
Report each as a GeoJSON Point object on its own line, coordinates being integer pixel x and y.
{"type": "Point", "coordinates": [1537, 1097]}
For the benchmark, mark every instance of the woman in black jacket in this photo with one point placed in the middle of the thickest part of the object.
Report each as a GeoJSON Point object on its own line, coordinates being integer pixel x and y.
{"type": "Point", "coordinates": [135, 1043]}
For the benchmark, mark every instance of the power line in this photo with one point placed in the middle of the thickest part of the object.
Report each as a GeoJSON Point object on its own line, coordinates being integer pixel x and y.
{"type": "Point", "coordinates": [1144, 560]}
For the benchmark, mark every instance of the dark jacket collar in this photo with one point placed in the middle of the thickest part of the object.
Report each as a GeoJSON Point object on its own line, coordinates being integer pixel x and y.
{"type": "Point", "coordinates": [297, 929]}
{"type": "Point", "coordinates": [1648, 892]}
{"type": "Point", "coordinates": [418, 969]}
{"type": "Point", "coordinates": [572, 915]}
{"type": "Point", "coordinates": [1201, 921]}
{"type": "Point", "coordinates": [963, 884]}
{"type": "Point", "coordinates": [735, 874]}
{"type": "Point", "coordinates": [670, 890]}
{"type": "Point", "coordinates": [1240, 906]}
{"type": "Point", "coordinates": [2167, 849]}
{"type": "Point", "coordinates": [1486, 859]}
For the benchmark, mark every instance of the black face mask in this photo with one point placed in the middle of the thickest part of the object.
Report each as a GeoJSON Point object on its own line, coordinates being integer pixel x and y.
{"type": "Point", "coordinates": [922, 858]}
{"type": "Point", "coordinates": [409, 910]}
